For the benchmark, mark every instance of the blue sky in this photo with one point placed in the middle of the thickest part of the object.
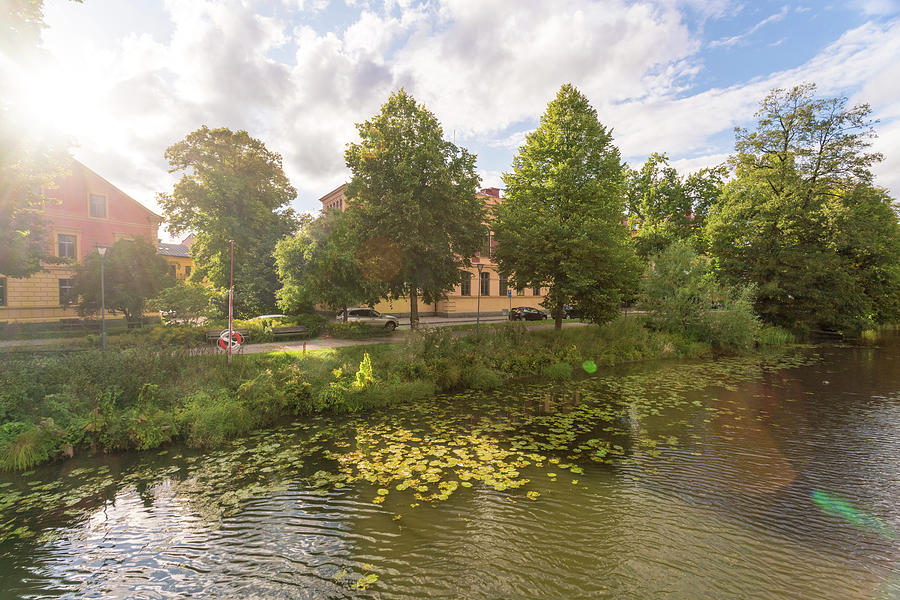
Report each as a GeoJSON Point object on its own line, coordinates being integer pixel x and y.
{"type": "Point", "coordinates": [126, 79]}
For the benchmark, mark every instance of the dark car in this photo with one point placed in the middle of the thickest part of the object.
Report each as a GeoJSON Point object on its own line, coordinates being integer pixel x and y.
{"type": "Point", "coordinates": [526, 313]}
{"type": "Point", "coordinates": [572, 312]}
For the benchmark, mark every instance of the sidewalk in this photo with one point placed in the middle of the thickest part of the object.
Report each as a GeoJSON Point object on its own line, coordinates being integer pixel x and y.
{"type": "Point", "coordinates": [320, 342]}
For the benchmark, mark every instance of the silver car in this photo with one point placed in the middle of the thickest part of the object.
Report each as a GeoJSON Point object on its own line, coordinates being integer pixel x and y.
{"type": "Point", "coordinates": [370, 316]}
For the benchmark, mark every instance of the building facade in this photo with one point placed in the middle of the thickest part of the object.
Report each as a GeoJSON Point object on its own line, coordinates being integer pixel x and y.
{"type": "Point", "coordinates": [179, 257]}
{"type": "Point", "coordinates": [85, 212]}
{"type": "Point", "coordinates": [496, 296]}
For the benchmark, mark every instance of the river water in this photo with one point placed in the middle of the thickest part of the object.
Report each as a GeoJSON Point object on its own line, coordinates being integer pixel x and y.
{"type": "Point", "coordinates": [736, 478]}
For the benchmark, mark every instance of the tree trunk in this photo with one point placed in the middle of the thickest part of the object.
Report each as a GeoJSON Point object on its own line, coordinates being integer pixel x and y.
{"type": "Point", "coordinates": [344, 314]}
{"type": "Point", "coordinates": [559, 316]}
{"type": "Point", "coordinates": [413, 307]}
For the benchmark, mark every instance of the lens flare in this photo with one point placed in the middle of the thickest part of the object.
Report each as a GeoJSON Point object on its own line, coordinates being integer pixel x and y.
{"type": "Point", "coordinates": [839, 507]}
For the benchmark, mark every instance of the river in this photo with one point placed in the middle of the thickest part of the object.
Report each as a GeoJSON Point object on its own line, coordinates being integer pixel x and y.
{"type": "Point", "coordinates": [735, 478]}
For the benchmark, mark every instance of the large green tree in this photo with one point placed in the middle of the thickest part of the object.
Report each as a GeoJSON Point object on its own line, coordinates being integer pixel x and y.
{"type": "Point", "coordinates": [561, 225]}
{"type": "Point", "coordinates": [232, 188]}
{"type": "Point", "coordinates": [802, 219]}
{"type": "Point", "coordinates": [664, 207]}
{"type": "Point", "coordinates": [133, 272]}
{"type": "Point", "coordinates": [412, 198]}
{"type": "Point", "coordinates": [321, 264]}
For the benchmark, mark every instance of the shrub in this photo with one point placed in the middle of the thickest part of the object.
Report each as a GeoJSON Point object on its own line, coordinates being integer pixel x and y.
{"type": "Point", "coordinates": [445, 373]}
{"type": "Point", "coordinates": [560, 371]}
{"type": "Point", "coordinates": [483, 378]}
{"type": "Point", "coordinates": [209, 419]}
{"type": "Point", "coordinates": [774, 336]}
{"type": "Point", "coordinates": [31, 447]}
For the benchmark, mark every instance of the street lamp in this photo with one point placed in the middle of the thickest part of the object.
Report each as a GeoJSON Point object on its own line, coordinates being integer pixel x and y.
{"type": "Point", "coordinates": [102, 251]}
{"type": "Point", "coordinates": [478, 314]}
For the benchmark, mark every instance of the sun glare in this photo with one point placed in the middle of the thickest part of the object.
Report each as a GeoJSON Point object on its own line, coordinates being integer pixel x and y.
{"type": "Point", "coordinates": [52, 102]}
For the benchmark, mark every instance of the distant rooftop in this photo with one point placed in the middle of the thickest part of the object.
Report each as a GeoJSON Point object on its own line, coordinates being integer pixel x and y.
{"type": "Point", "coordinates": [174, 250]}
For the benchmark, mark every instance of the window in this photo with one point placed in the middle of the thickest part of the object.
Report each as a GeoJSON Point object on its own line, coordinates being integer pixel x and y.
{"type": "Point", "coordinates": [98, 206]}
{"type": "Point", "coordinates": [66, 246]}
{"type": "Point", "coordinates": [465, 288]}
{"type": "Point", "coordinates": [520, 291]}
{"type": "Point", "coordinates": [65, 292]}
{"type": "Point", "coordinates": [536, 291]}
{"type": "Point", "coordinates": [2, 291]}
{"type": "Point", "coordinates": [485, 284]}
{"type": "Point", "coordinates": [187, 270]}
{"type": "Point", "coordinates": [485, 251]}
{"type": "Point", "coordinates": [174, 269]}
{"type": "Point", "coordinates": [503, 285]}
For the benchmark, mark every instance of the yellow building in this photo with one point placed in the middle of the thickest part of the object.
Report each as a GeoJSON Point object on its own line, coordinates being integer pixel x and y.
{"type": "Point", "coordinates": [179, 257]}
{"type": "Point", "coordinates": [496, 296]}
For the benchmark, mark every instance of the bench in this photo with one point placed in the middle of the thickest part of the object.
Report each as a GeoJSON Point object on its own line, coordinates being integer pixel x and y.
{"type": "Point", "coordinates": [212, 335]}
{"type": "Point", "coordinates": [291, 330]}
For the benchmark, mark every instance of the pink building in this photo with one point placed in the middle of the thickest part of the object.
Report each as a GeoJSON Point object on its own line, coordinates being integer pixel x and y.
{"type": "Point", "coordinates": [88, 212]}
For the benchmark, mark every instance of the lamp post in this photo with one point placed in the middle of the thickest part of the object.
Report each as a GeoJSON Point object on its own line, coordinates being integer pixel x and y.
{"type": "Point", "coordinates": [101, 250]}
{"type": "Point", "coordinates": [478, 313]}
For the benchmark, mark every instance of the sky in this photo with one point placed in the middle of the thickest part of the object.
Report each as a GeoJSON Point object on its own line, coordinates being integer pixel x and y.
{"type": "Point", "coordinates": [125, 80]}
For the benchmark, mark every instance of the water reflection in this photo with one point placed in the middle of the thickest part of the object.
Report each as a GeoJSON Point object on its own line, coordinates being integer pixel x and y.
{"type": "Point", "coordinates": [688, 481]}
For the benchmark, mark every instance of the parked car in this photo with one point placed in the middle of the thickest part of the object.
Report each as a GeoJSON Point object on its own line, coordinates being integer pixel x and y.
{"type": "Point", "coordinates": [572, 312]}
{"type": "Point", "coordinates": [370, 316]}
{"type": "Point", "coordinates": [526, 313]}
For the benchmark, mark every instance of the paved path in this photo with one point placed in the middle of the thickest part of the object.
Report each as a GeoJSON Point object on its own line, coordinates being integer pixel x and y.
{"type": "Point", "coordinates": [329, 342]}
{"type": "Point", "coordinates": [317, 343]}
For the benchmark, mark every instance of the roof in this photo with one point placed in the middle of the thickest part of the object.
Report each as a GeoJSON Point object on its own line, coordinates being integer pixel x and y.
{"type": "Point", "coordinates": [174, 250]}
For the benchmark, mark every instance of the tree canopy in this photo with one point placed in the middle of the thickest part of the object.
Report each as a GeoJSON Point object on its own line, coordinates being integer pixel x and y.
{"type": "Point", "coordinates": [663, 207]}
{"type": "Point", "coordinates": [802, 220]}
{"type": "Point", "coordinates": [412, 200]}
{"type": "Point", "coordinates": [133, 272]}
{"type": "Point", "coordinates": [320, 264]}
{"type": "Point", "coordinates": [561, 225]}
{"type": "Point", "coordinates": [232, 188]}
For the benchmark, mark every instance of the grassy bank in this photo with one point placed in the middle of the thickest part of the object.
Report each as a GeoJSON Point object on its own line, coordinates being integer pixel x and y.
{"type": "Point", "coordinates": [53, 406]}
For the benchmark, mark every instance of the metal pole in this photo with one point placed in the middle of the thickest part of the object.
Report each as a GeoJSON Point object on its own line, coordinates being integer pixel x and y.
{"type": "Point", "coordinates": [231, 303]}
{"type": "Point", "coordinates": [102, 306]}
{"type": "Point", "coordinates": [478, 313]}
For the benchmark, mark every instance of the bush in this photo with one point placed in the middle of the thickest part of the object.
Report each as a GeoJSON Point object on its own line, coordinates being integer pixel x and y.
{"type": "Point", "coordinates": [560, 371]}
{"type": "Point", "coordinates": [32, 446]}
{"type": "Point", "coordinates": [483, 378]}
{"type": "Point", "coordinates": [210, 419]}
{"type": "Point", "coordinates": [735, 327]}
{"type": "Point", "coordinates": [774, 336]}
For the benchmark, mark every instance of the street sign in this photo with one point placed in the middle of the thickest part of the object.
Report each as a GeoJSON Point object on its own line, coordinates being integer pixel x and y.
{"type": "Point", "coordinates": [234, 341]}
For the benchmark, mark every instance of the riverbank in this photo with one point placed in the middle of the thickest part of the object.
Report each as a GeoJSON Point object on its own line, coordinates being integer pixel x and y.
{"type": "Point", "coordinates": [56, 406]}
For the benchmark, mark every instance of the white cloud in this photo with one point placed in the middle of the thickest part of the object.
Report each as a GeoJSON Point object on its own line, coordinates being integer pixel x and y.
{"type": "Point", "coordinates": [733, 40]}
{"type": "Point", "coordinates": [487, 70]}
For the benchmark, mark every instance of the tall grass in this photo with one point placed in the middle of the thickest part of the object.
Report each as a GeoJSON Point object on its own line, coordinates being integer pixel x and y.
{"type": "Point", "coordinates": [141, 398]}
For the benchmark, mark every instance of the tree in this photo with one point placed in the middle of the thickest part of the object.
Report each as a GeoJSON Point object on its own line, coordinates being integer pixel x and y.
{"type": "Point", "coordinates": [132, 273]}
{"type": "Point", "coordinates": [232, 188]}
{"type": "Point", "coordinates": [412, 200]}
{"type": "Point", "coordinates": [28, 163]}
{"type": "Point", "coordinates": [681, 295]}
{"type": "Point", "coordinates": [186, 302]}
{"type": "Point", "coordinates": [664, 207]}
{"type": "Point", "coordinates": [561, 225]}
{"type": "Point", "coordinates": [321, 265]}
{"type": "Point", "coordinates": [802, 220]}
